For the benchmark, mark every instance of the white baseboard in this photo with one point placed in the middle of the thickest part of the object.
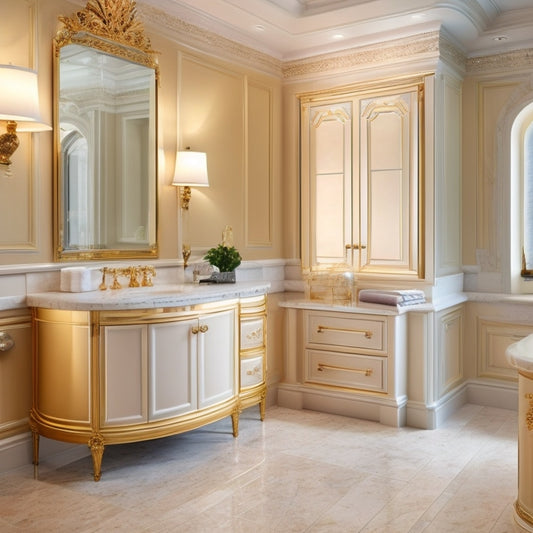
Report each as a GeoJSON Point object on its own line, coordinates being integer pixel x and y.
{"type": "Point", "coordinates": [16, 452]}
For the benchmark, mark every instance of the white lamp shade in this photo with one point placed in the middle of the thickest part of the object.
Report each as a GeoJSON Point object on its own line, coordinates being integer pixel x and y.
{"type": "Point", "coordinates": [19, 98]}
{"type": "Point", "coordinates": [191, 169]}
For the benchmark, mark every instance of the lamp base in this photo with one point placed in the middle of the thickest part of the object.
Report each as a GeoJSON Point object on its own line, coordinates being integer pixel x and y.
{"type": "Point", "coordinates": [186, 253]}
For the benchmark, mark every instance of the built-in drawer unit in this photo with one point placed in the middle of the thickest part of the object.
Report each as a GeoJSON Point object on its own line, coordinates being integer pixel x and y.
{"type": "Point", "coordinates": [346, 360]}
{"type": "Point", "coordinates": [346, 333]}
{"type": "Point", "coordinates": [352, 371]}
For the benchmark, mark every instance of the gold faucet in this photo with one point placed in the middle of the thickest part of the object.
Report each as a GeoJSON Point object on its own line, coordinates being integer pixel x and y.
{"type": "Point", "coordinates": [132, 272]}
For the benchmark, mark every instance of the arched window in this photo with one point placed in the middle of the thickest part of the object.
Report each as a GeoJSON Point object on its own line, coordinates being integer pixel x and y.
{"type": "Point", "coordinates": [522, 208]}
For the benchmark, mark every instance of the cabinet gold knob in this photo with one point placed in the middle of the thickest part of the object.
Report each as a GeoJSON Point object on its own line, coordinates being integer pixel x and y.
{"type": "Point", "coordinates": [202, 329]}
{"type": "Point", "coordinates": [6, 342]}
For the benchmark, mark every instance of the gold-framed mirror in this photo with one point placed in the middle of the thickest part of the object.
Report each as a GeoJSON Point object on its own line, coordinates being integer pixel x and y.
{"type": "Point", "coordinates": [105, 116]}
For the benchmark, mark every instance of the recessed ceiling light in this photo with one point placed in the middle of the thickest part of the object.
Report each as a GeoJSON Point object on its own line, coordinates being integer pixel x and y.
{"type": "Point", "coordinates": [259, 27]}
{"type": "Point", "coordinates": [337, 36]}
{"type": "Point", "coordinates": [500, 38]}
{"type": "Point", "coordinates": [418, 16]}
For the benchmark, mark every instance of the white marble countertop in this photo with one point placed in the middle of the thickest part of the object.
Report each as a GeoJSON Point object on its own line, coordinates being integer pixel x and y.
{"type": "Point", "coordinates": [363, 308]}
{"type": "Point", "coordinates": [178, 295]}
{"type": "Point", "coordinates": [520, 354]}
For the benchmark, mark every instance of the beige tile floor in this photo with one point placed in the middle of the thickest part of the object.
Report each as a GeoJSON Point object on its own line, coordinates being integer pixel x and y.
{"type": "Point", "coordinates": [298, 471]}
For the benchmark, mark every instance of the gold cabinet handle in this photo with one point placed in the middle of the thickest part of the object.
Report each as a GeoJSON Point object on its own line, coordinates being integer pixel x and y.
{"type": "Point", "coordinates": [202, 329]}
{"type": "Point", "coordinates": [365, 332]}
{"type": "Point", "coordinates": [365, 371]}
{"type": "Point", "coordinates": [355, 246]}
{"type": "Point", "coordinates": [256, 370]}
{"type": "Point", "coordinates": [6, 342]}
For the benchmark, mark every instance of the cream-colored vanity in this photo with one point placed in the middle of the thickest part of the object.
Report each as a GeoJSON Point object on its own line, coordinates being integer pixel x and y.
{"type": "Point", "coordinates": [139, 364]}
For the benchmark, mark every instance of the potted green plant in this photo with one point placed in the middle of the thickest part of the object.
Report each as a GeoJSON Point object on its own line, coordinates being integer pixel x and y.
{"type": "Point", "coordinates": [226, 259]}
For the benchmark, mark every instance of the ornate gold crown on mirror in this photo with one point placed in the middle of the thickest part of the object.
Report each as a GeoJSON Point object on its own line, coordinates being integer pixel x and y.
{"type": "Point", "coordinates": [114, 20]}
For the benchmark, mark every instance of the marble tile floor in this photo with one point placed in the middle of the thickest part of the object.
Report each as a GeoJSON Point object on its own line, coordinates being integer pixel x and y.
{"type": "Point", "coordinates": [298, 471]}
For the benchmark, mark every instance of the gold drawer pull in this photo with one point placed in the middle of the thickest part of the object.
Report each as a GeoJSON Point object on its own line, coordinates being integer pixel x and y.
{"type": "Point", "coordinates": [202, 329]}
{"type": "Point", "coordinates": [365, 332]}
{"type": "Point", "coordinates": [365, 371]}
{"type": "Point", "coordinates": [256, 370]}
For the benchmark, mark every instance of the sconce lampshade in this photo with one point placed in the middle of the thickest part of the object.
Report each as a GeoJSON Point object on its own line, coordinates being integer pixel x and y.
{"type": "Point", "coordinates": [19, 107]}
{"type": "Point", "coordinates": [191, 169]}
{"type": "Point", "coordinates": [19, 98]}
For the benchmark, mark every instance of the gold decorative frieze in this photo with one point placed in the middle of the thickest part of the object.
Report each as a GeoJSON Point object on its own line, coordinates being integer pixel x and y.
{"type": "Point", "coordinates": [356, 58]}
{"type": "Point", "coordinates": [509, 61]}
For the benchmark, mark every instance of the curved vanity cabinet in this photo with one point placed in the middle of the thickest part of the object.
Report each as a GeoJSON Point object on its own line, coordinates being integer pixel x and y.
{"type": "Point", "coordinates": [108, 376]}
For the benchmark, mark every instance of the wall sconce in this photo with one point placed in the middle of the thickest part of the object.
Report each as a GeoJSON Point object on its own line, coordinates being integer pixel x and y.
{"type": "Point", "coordinates": [190, 171]}
{"type": "Point", "coordinates": [19, 107]}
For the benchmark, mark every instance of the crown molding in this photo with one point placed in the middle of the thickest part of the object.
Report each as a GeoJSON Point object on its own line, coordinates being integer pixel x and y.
{"type": "Point", "coordinates": [504, 62]}
{"type": "Point", "coordinates": [193, 37]}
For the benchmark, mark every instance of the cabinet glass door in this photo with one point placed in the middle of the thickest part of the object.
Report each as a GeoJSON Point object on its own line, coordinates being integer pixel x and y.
{"type": "Point", "coordinates": [361, 181]}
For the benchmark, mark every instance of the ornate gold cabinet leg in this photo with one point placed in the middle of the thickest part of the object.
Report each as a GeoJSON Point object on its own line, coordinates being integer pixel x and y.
{"type": "Point", "coordinates": [235, 422]}
{"type": "Point", "coordinates": [262, 405]}
{"type": "Point", "coordinates": [35, 441]}
{"type": "Point", "coordinates": [96, 444]}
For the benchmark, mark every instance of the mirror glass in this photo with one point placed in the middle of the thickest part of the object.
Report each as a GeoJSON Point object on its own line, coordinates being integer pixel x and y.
{"type": "Point", "coordinates": [105, 105]}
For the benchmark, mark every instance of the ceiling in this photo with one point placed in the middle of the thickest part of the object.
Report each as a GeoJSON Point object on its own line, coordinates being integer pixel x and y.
{"type": "Point", "coordinates": [292, 29]}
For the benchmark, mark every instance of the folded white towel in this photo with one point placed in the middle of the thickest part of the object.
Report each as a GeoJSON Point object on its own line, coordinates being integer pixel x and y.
{"type": "Point", "coordinates": [78, 279]}
{"type": "Point", "coordinates": [392, 297]}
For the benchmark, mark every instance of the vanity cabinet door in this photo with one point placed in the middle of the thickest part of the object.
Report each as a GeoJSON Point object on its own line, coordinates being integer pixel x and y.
{"type": "Point", "coordinates": [172, 368]}
{"type": "Point", "coordinates": [216, 336]}
{"type": "Point", "coordinates": [124, 366]}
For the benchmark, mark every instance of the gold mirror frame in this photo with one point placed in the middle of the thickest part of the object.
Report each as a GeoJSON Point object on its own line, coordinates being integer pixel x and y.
{"type": "Point", "coordinates": [109, 27]}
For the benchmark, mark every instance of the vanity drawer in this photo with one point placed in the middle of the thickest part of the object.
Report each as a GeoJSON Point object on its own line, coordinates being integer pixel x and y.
{"type": "Point", "coordinates": [251, 371]}
{"type": "Point", "coordinates": [252, 333]}
{"type": "Point", "coordinates": [365, 372]}
{"type": "Point", "coordinates": [348, 332]}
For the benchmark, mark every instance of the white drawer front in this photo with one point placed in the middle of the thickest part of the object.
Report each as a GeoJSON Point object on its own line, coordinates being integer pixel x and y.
{"type": "Point", "coordinates": [251, 334]}
{"type": "Point", "coordinates": [346, 370]}
{"type": "Point", "coordinates": [346, 332]}
{"type": "Point", "coordinates": [251, 372]}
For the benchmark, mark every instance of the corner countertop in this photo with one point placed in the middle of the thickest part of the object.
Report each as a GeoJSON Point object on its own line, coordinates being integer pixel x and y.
{"type": "Point", "coordinates": [520, 354]}
{"type": "Point", "coordinates": [178, 295]}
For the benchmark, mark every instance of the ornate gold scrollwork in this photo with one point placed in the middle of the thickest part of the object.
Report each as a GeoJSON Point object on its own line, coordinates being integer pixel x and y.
{"type": "Point", "coordinates": [113, 20]}
{"type": "Point", "coordinates": [96, 444]}
{"type": "Point", "coordinates": [529, 414]}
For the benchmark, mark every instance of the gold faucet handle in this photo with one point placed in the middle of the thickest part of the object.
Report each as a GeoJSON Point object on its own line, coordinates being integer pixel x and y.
{"type": "Point", "coordinates": [133, 273]}
{"type": "Point", "coordinates": [102, 285]}
{"type": "Point", "coordinates": [115, 272]}
{"type": "Point", "coordinates": [148, 273]}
